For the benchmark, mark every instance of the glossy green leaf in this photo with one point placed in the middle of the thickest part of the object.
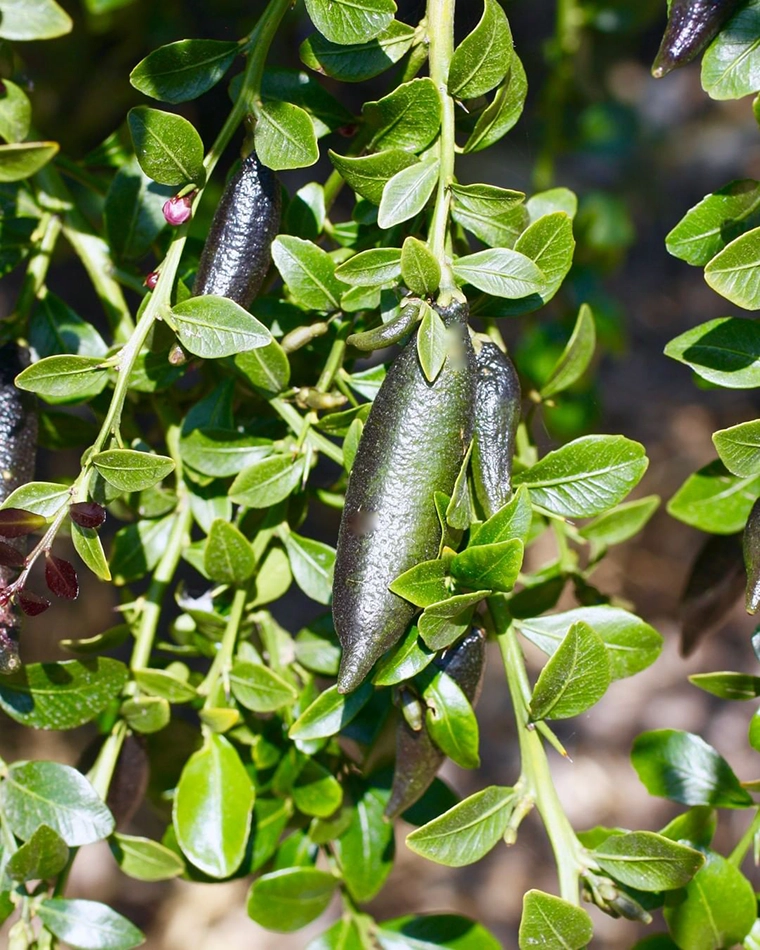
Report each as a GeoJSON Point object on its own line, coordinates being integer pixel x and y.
{"type": "Point", "coordinates": [468, 831]}
{"type": "Point", "coordinates": [552, 923]}
{"type": "Point", "coordinates": [489, 566]}
{"type": "Point", "coordinates": [733, 271]}
{"type": "Point", "coordinates": [716, 910]}
{"type": "Point", "coordinates": [88, 546]}
{"type": "Point", "coordinates": [166, 684]}
{"type": "Point", "coordinates": [731, 64]}
{"type": "Point", "coordinates": [131, 471]}
{"type": "Point", "coordinates": [309, 273]}
{"type": "Point", "coordinates": [432, 343]}
{"type": "Point", "coordinates": [183, 70]}
{"type": "Point", "coordinates": [725, 351]}
{"type": "Point", "coordinates": [728, 685]}
{"type": "Point", "coordinates": [622, 522]}
{"type": "Point", "coordinates": [549, 243]}
{"type": "Point", "coordinates": [586, 476]}
{"type": "Point", "coordinates": [647, 861]}
{"type": "Point", "coordinates": [15, 111]}
{"type": "Point", "coordinates": [167, 146]}
{"type": "Point", "coordinates": [316, 792]}
{"type": "Point", "coordinates": [368, 174]}
{"type": "Point", "coordinates": [144, 859]}
{"type": "Point", "coordinates": [61, 695]}
{"type": "Point", "coordinates": [366, 849]}
{"type": "Point", "coordinates": [739, 448]}
{"type": "Point", "coordinates": [378, 265]}
{"type": "Point", "coordinates": [407, 192]}
{"type": "Point", "coordinates": [213, 808]}
{"type": "Point", "coordinates": [228, 556]}
{"type": "Point", "coordinates": [714, 500]}
{"type": "Point", "coordinates": [409, 657]}
{"type": "Point", "coordinates": [446, 621]}
{"type": "Point", "coordinates": [33, 20]}
{"type": "Point", "coordinates": [502, 112]}
{"type": "Point", "coordinates": [484, 57]}
{"type": "Point", "coordinates": [684, 768]}
{"type": "Point", "coordinates": [56, 795]}
{"type": "Point", "coordinates": [425, 931]}
{"type": "Point", "coordinates": [575, 678]}
{"type": "Point", "coordinates": [350, 21]}
{"type": "Point", "coordinates": [424, 584]}
{"type": "Point", "coordinates": [284, 136]}
{"type": "Point", "coordinates": [419, 267]}
{"type": "Point", "coordinates": [551, 201]}
{"type": "Point", "coordinates": [715, 221]}
{"type": "Point", "coordinates": [137, 548]}
{"type": "Point", "coordinates": [576, 357]}
{"type": "Point", "coordinates": [312, 563]}
{"type": "Point", "coordinates": [147, 714]}
{"type": "Point", "coordinates": [222, 452]}
{"type": "Point", "coordinates": [361, 60]}
{"type": "Point", "coordinates": [450, 720]}
{"type": "Point", "coordinates": [213, 327]}
{"type": "Point", "coordinates": [88, 925]}
{"type": "Point", "coordinates": [330, 712]}
{"type": "Point", "coordinates": [497, 216]}
{"type": "Point", "coordinates": [56, 329]}
{"type": "Point", "coordinates": [21, 160]}
{"type": "Point", "coordinates": [632, 645]}
{"type": "Point", "coordinates": [500, 272]}
{"type": "Point", "coordinates": [408, 118]}
{"type": "Point", "coordinates": [270, 816]}
{"type": "Point", "coordinates": [64, 379]}
{"type": "Point", "coordinates": [288, 899]}
{"type": "Point", "coordinates": [266, 368]}
{"type": "Point", "coordinates": [266, 482]}
{"type": "Point", "coordinates": [43, 857]}
{"type": "Point", "coordinates": [260, 689]}
{"type": "Point", "coordinates": [511, 521]}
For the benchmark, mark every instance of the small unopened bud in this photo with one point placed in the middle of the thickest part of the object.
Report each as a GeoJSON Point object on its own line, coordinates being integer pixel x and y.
{"type": "Point", "coordinates": [178, 209]}
{"type": "Point", "coordinates": [151, 279]}
{"type": "Point", "coordinates": [302, 335]}
{"type": "Point", "coordinates": [347, 131]}
{"type": "Point", "coordinates": [177, 356]}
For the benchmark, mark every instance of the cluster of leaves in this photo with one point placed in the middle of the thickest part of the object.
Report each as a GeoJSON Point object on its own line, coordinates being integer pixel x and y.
{"type": "Point", "coordinates": [279, 777]}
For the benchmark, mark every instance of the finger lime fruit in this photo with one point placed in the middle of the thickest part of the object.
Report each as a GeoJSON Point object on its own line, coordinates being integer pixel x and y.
{"type": "Point", "coordinates": [692, 26]}
{"type": "Point", "coordinates": [237, 252]}
{"type": "Point", "coordinates": [497, 415]}
{"type": "Point", "coordinates": [418, 758]}
{"type": "Point", "coordinates": [414, 441]}
{"type": "Point", "coordinates": [751, 550]}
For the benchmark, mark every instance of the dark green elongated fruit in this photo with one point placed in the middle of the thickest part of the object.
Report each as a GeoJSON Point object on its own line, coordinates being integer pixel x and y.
{"type": "Point", "coordinates": [18, 447]}
{"type": "Point", "coordinates": [414, 441]}
{"type": "Point", "coordinates": [388, 333]}
{"type": "Point", "coordinates": [237, 252]}
{"type": "Point", "coordinates": [715, 582]}
{"type": "Point", "coordinates": [418, 758]}
{"type": "Point", "coordinates": [497, 415]}
{"type": "Point", "coordinates": [751, 548]}
{"type": "Point", "coordinates": [692, 26]}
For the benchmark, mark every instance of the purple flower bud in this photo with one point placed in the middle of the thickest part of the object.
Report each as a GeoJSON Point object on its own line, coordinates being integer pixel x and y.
{"type": "Point", "coordinates": [151, 279]}
{"type": "Point", "coordinates": [177, 210]}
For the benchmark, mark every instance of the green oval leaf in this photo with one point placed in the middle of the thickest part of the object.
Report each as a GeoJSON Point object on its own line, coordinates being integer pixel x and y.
{"type": "Point", "coordinates": [500, 272]}
{"type": "Point", "coordinates": [183, 70]}
{"type": "Point", "coordinates": [266, 482]}
{"type": "Point", "coordinates": [575, 678]}
{"type": "Point", "coordinates": [739, 448]}
{"type": "Point", "coordinates": [330, 712]}
{"type": "Point", "coordinates": [551, 923]}
{"type": "Point", "coordinates": [284, 136]}
{"type": "Point", "coordinates": [228, 557]}
{"type": "Point", "coordinates": [716, 220]}
{"type": "Point", "coordinates": [212, 327]}
{"type": "Point", "coordinates": [144, 859]}
{"type": "Point", "coordinates": [64, 379]}
{"type": "Point", "coordinates": [359, 61]}
{"type": "Point", "coordinates": [130, 471]}
{"type": "Point", "coordinates": [33, 20]}
{"type": "Point", "coordinates": [288, 899]}
{"type": "Point", "coordinates": [88, 925]}
{"type": "Point", "coordinates": [407, 192]}
{"type": "Point", "coordinates": [725, 351]}
{"type": "Point", "coordinates": [309, 273]}
{"type": "Point", "coordinates": [734, 271]}
{"type": "Point", "coordinates": [731, 64]}
{"type": "Point", "coordinates": [484, 57]}
{"type": "Point", "coordinates": [351, 21]}
{"type": "Point", "coordinates": [260, 689]}
{"type": "Point", "coordinates": [365, 850]}
{"type": "Point", "coordinates": [167, 146]}
{"type": "Point", "coordinates": [576, 356]}
{"type": "Point", "coordinates": [408, 118]}
{"type": "Point", "coordinates": [714, 500]}
{"type": "Point", "coordinates": [647, 861]}
{"type": "Point", "coordinates": [451, 721]}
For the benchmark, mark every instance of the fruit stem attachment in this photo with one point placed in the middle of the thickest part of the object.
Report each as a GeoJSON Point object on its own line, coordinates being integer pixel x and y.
{"type": "Point", "coordinates": [440, 20]}
{"type": "Point", "coordinates": [536, 776]}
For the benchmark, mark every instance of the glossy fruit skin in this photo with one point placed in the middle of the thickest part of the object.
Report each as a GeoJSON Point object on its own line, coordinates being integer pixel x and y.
{"type": "Point", "coordinates": [418, 758]}
{"type": "Point", "coordinates": [237, 252]}
{"type": "Point", "coordinates": [18, 448]}
{"type": "Point", "coordinates": [414, 442]}
{"type": "Point", "coordinates": [751, 551]}
{"type": "Point", "coordinates": [692, 26]}
{"type": "Point", "coordinates": [497, 415]}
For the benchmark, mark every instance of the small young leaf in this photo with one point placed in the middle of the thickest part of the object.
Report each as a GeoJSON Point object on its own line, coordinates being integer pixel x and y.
{"type": "Point", "coordinates": [552, 923]}
{"type": "Point", "coordinates": [228, 557]}
{"type": "Point", "coordinates": [17, 523]}
{"type": "Point", "coordinates": [43, 856]}
{"type": "Point", "coordinates": [419, 267]}
{"type": "Point", "coordinates": [468, 831]}
{"type": "Point", "coordinates": [432, 344]}
{"type": "Point", "coordinates": [61, 578]}
{"type": "Point", "coordinates": [144, 859]}
{"type": "Point", "coordinates": [489, 566]}
{"type": "Point", "coordinates": [511, 521]}
{"type": "Point", "coordinates": [330, 712]}
{"type": "Point", "coordinates": [260, 689]}
{"type": "Point", "coordinates": [32, 604]}
{"type": "Point", "coordinates": [88, 925]}
{"type": "Point", "coordinates": [88, 546]}
{"type": "Point", "coordinates": [451, 721]}
{"type": "Point", "coordinates": [10, 556]}
{"type": "Point", "coordinates": [423, 584]}
{"type": "Point", "coordinates": [576, 356]}
{"type": "Point", "coordinates": [684, 768]}
{"type": "Point", "coordinates": [167, 146]}
{"type": "Point", "coordinates": [87, 514]}
{"type": "Point", "coordinates": [575, 678]}
{"type": "Point", "coordinates": [407, 193]}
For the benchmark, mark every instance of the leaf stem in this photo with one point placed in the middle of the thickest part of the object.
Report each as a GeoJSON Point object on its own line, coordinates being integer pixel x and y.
{"type": "Point", "coordinates": [36, 271]}
{"type": "Point", "coordinates": [296, 422]}
{"type": "Point", "coordinates": [223, 658]}
{"type": "Point", "coordinates": [739, 853]}
{"type": "Point", "coordinates": [440, 20]}
{"type": "Point", "coordinates": [536, 775]}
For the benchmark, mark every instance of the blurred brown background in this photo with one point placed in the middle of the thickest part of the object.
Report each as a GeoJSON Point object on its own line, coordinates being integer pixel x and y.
{"type": "Point", "coordinates": [639, 152]}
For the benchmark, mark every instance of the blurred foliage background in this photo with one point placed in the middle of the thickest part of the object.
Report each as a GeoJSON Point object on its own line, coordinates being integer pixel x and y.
{"type": "Point", "coordinates": [638, 152]}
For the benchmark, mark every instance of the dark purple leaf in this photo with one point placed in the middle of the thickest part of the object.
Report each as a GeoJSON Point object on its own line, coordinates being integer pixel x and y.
{"type": "Point", "coordinates": [32, 604]}
{"type": "Point", "coordinates": [9, 556]}
{"type": "Point", "coordinates": [15, 522]}
{"type": "Point", "coordinates": [87, 514]}
{"type": "Point", "coordinates": [61, 577]}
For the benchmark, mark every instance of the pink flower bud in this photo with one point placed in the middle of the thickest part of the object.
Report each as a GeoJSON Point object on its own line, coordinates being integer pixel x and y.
{"type": "Point", "coordinates": [152, 278]}
{"type": "Point", "coordinates": [177, 210]}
